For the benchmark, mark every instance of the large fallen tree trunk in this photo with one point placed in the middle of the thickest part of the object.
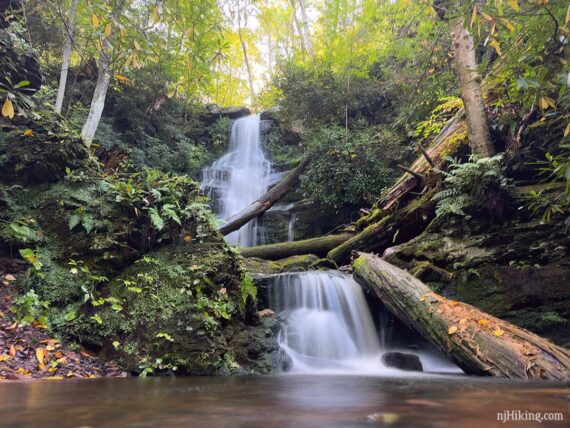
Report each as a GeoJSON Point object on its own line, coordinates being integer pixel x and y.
{"type": "Point", "coordinates": [477, 342]}
{"type": "Point", "coordinates": [319, 246]}
{"type": "Point", "coordinates": [266, 201]}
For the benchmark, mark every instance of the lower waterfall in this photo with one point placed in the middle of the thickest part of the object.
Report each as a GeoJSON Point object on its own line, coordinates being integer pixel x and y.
{"type": "Point", "coordinates": [327, 327]}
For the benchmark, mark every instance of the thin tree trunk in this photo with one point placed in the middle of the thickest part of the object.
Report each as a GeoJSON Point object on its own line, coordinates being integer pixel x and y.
{"type": "Point", "coordinates": [306, 32]}
{"type": "Point", "coordinates": [103, 81]}
{"type": "Point", "coordinates": [244, 50]}
{"type": "Point", "coordinates": [476, 341]}
{"type": "Point", "coordinates": [471, 91]}
{"type": "Point", "coordinates": [69, 30]}
{"type": "Point", "coordinates": [298, 25]}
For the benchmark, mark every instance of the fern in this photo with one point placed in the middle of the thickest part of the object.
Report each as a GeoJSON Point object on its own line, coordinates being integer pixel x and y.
{"type": "Point", "coordinates": [468, 184]}
{"type": "Point", "coordinates": [156, 219]}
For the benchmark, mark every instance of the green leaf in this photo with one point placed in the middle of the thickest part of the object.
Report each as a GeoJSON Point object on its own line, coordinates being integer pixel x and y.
{"type": "Point", "coordinates": [156, 219]}
{"type": "Point", "coordinates": [74, 220]}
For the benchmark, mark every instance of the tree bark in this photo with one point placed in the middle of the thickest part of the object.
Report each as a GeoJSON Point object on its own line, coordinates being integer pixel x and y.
{"type": "Point", "coordinates": [476, 341]}
{"type": "Point", "coordinates": [390, 230]}
{"type": "Point", "coordinates": [317, 246]}
{"type": "Point", "coordinates": [471, 92]}
{"type": "Point", "coordinates": [307, 34]}
{"type": "Point", "coordinates": [244, 50]}
{"type": "Point", "coordinates": [69, 30]}
{"type": "Point", "coordinates": [265, 202]}
{"type": "Point", "coordinates": [103, 81]}
{"type": "Point", "coordinates": [298, 25]}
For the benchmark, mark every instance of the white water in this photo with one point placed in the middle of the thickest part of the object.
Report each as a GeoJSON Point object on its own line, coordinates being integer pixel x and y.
{"type": "Point", "coordinates": [291, 227]}
{"type": "Point", "coordinates": [326, 326]}
{"type": "Point", "coordinates": [239, 178]}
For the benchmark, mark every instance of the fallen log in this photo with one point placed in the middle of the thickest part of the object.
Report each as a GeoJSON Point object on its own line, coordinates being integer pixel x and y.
{"type": "Point", "coordinates": [390, 230]}
{"type": "Point", "coordinates": [318, 246]}
{"type": "Point", "coordinates": [265, 202]}
{"type": "Point", "coordinates": [477, 342]}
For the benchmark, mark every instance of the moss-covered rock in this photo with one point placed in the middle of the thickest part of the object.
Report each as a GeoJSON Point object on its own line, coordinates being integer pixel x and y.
{"type": "Point", "coordinates": [518, 271]}
{"type": "Point", "coordinates": [130, 264]}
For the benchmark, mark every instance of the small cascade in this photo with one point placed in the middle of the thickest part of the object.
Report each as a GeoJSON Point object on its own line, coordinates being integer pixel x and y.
{"type": "Point", "coordinates": [326, 323]}
{"type": "Point", "coordinates": [239, 178]}
{"type": "Point", "coordinates": [291, 227]}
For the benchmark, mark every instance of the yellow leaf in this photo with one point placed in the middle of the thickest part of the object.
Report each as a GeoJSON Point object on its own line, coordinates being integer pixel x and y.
{"type": "Point", "coordinates": [137, 45]}
{"type": "Point", "coordinates": [487, 17]}
{"type": "Point", "coordinates": [453, 302]}
{"type": "Point", "coordinates": [8, 108]}
{"type": "Point", "coordinates": [28, 133]}
{"type": "Point", "coordinates": [483, 322]}
{"type": "Point", "coordinates": [122, 78]}
{"type": "Point", "coordinates": [508, 24]}
{"type": "Point", "coordinates": [40, 355]}
{"type": "Point", "coordinates": [54, 378]}
{"type": "Point", "coordinates": [498, 332]}
{"type": "Point", "coordinates": [462, 321]}
{"type": "Point", "coordinates": [95, 20]}
{"type": "Point", "coordinates": [187, 238]}
{"type": "Point", "coordinates": [12, 350]}
{"type": "Point", "coordinates": [567, 130]}
{"type": "Point", "coordinates": [497, 47]}
{"type": "Point", "coordinates": [546, 102]}
{"type": "Point", "coordinates": [515, 5]}
{"type": "Point", "coordinates": [422, 299]}
{"type": "Point", "coordinates": [473, 17]}
{"type": "Point", "coordinates": [5, 358]}
{"type": "Point", "coordinates": [452, 329]}
{"type": "Point", "coordinates": [10, 277]}
{"type": "Point", "coordinates": [107, 31]}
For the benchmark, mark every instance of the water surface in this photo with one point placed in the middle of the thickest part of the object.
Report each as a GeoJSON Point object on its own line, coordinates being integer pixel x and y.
{"type": "Point", "coordinates": [276, 401]}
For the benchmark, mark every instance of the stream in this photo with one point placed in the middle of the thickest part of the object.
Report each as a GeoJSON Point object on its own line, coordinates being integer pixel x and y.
{"type": "Point", "coordinates": [277, 401]}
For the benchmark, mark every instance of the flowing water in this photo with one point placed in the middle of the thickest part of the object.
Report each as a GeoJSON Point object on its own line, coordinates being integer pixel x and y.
{"type": "Point", "coordinates": [327, 327]}
{"type": "Point", "coordinates": [278, 402]}
{"type": "Point", "coordinates": [239, 178]}
{"type": "Point", "coordinates": [291, 227]}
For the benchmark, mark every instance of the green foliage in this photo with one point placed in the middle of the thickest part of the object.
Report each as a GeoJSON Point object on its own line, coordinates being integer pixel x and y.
{"type": "Point", "coordinates": [551, 202]}
{"type": "Point", "coordinates": [28, 309]}
{"type": "Point", "coordinates": [475, 185]}
{"type": "Point", "coordinates": [348, 166]}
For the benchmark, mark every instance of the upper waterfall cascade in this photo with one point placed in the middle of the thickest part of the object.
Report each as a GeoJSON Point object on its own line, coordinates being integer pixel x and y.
{"type": "Point", "coordinates": [239, 178]}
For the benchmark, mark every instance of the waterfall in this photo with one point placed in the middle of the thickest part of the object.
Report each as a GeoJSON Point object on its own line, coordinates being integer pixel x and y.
{"type": "Point", "coordinates": [326, 323]}
{"type": "Point", "coordinates": [239, 178]}
{"type": "Point", "coordinates": [291, 227]}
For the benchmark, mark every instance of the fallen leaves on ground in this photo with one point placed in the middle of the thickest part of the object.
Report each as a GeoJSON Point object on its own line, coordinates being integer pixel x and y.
{"type": "Point", "coordinates": [28, 352]}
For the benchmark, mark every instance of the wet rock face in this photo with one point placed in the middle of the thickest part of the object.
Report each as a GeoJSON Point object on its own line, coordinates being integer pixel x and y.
{"type": "Point", "coordinates": [214, 112]}
{"type": "Point", "coordinates": [402, 361]}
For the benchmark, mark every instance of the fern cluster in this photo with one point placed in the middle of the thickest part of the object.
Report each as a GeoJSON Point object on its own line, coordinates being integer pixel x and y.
{"type": "Point", "coordinates": [471, 185]}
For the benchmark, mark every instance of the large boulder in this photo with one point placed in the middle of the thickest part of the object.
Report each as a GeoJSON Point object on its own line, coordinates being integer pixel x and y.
{"type": "Point", "coordinates": [214, 112]}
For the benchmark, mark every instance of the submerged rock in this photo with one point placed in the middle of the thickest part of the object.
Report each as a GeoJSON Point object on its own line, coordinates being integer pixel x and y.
{"type": "Point", "coordinates": [402, 361]}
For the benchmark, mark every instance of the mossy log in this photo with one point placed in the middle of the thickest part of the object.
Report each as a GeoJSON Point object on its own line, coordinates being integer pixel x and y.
{"type": "Point", "coordinates": [445, 144]}
{"type": "Point", "coordinates": [318, 246]}
{"type": "Point", "coordinates": [265, 202]}
{"type": "Point", "coordinates": [476, 341]}
{"type": "Point", "coordinates": [401, 226]}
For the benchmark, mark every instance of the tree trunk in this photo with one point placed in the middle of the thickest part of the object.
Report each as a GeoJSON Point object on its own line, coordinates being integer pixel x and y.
{"type": "Point", "coordinates": [298, 25]}
{"type": "Point", "coordinates": [265, 202]}
{"type": "Point", "coordinates": [68, 28]}
{"type": "Point", "coordinates": [306, 32]}
{"type": "Point", "coordinates": [103, 80]}
{"type": "Point", "coordinates": [244, 50]}
{"type": "Point", "coordinates": [471, 91]}
{"type": "Point", "coordinates": [477, 342]}
{"type": "Point", "coordinates": [317, 246]}
{"type": "Point", "coordinates": [390, 230]}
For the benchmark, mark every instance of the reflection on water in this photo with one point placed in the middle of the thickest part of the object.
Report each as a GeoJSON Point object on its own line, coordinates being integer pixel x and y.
{"type": "Point", "coordinates": [276, 401]}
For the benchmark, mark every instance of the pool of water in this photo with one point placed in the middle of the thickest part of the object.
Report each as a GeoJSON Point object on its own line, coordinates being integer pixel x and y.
{"type": "Point", "coordinates": [278, 401]}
